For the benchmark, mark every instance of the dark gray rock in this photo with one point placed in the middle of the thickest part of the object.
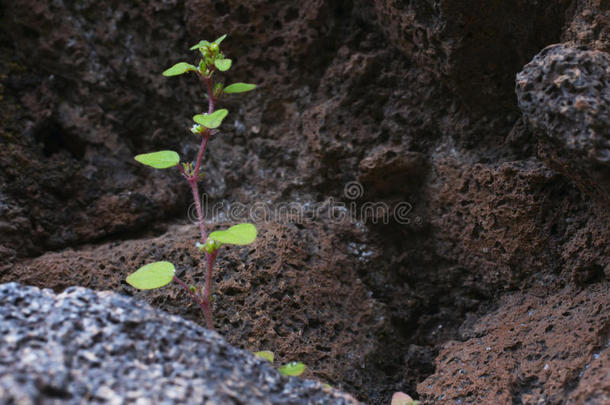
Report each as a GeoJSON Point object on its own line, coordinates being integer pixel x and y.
{"type": "Point", "coordinates": [82, 346]}
{"type": "Point", "coordinates": [564, 93]}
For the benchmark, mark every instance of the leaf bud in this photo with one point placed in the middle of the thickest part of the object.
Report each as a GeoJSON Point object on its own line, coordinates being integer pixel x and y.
{"type": "Point", "coordinates": [197, 129]}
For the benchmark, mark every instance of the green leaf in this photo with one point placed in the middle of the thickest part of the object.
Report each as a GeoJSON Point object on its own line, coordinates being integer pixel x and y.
{"type": "Point", "coordinates": [219, 40]}
{"type": "Point", "coordinates": [211, 120]}
{"type": "Point", "coordinates": [266, 354]}
{"type": "Point", "coordinates": [240, 234]}
{"type": "Point", "coordinates": [239, 87]}
{"type": "Point", "coordinates": [201, 44]}
{"type": "Point", "coordinates": [294, 369]}
{"type": "Point", "coordinates": [159, 160]}
{"type": "Point", "coordinates": [179, 68]}
{"type": "Point", "coordinates": [153, 275]}
{"type": "Point", "coordinates": [222, 64]}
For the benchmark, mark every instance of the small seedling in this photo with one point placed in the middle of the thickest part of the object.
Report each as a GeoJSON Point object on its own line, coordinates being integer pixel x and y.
{"type": "Point", "coordinates": [160, 274]}
{"type": "Point", "coordinates": [292, 369]}
{"type": "Point", "coordinates": [267, 355]}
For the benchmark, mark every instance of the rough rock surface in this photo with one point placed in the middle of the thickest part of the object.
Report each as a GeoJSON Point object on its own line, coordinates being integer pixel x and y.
{"type": "Point", "coordinates": [261, 301]}
{"type": "Point", "coordinates": [473, 46]}
{"type": "Point", "coordinates": [590, 25]}
{"type": "Point", "coordinates": [564, 93]}
{"type": "Point", "coordinates": [530, 350]}
{"type": "Point", "coordinates": [414, 99]}
{"type": "Point", "coordinates": [101, 347]}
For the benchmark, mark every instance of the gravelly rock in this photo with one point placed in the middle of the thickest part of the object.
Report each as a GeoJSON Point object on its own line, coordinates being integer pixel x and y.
{"type": "Point", "coordinates": [84, 346]}
{"type": "Point", "coordinates": [564, 92]}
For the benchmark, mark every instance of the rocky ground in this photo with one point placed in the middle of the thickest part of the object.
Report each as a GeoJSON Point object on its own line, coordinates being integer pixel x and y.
{"type": "Point", "coordinates": [484, 126]}
{"type": "Point", "coordinates": [102, 348]}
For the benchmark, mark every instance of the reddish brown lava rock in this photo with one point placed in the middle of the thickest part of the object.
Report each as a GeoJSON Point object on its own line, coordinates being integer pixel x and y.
{"type": "Point", "coordinates": [564, 93]}
{"type": "Point", "coordinates": [530, 350]}
{"type": "Point", "coordinates": [385, 167]}
{"type": "Point", "coordinates": [500, 220]}
{"type": "Point", "coordinates": [415, 99]}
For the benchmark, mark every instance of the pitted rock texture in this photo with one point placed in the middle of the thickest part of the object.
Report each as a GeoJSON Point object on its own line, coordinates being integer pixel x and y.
{"type": "Point", "coordinates": [564, 93]}
{"type": "Point", "coordinates": [530, 350]}
{"type": "Point", "coordinates": [473, 46]}
{"type": "Point", "coordinates": [67, 172]}
{"type": "Point", "coordinates": [414, 99]}
{"type": "Point", "coordinates": [590, 25]}
{"type": "Point", "coordinates": [101, 347]}
{"type": "Point", "coordinates": [264, 298]}
{"type": "Point", "coordinates": [509, 222]}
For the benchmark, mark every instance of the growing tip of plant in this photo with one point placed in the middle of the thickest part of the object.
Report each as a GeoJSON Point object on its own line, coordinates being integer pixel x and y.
{"type": "Point", "coordinates": [209, 246]}
{"type": "Point", "coordinates": [219, 40]}
{"type": "Point", "coordinates": [199, 45]}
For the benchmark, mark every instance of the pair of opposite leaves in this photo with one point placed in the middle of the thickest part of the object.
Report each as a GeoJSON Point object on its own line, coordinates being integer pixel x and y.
{"type": "Point", "coordinates": [292, 369]}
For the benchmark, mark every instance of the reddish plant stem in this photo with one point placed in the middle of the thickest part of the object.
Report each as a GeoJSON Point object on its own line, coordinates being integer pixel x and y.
{"type": "Point", "coordinates": [204, 141]}
{"type": "Point", "coordinates": [195, 190]}
{"type": "Point", "coordinates": [211, 258]}
{"type": "Point", "coordinates": [207, 312]}
{"type": "Point", "coordinates": [182, 171]}
{"type": "Point", "coordinates": [208, 82]}
{"type": "Point", "coordinates": [182, 284]}
{"type": "Point", "coordinates": [203, 305]}
{"type": "Point", "coordinates": [193, 178]}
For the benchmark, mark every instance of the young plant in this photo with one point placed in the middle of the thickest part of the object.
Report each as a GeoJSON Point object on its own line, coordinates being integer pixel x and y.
{"type": "Point", "coordinates": [159, 274]}
{"type": "Point", "coordinates": [292, 369]}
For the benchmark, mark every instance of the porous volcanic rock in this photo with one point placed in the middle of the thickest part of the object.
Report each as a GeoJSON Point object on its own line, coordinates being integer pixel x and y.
{"type": "Point", "coordinates": [413, 99]}
{"type": "Point", "coordinates": [264, 298]}
{"type": "Point", "coordinates": [81, 91]}
{"type": "Point", "coordinates": [508, 224]}
{"type": "Point", "coordinates": [101, 347]}
{"type": "Point", "coordinates": [590, 25]}
{"type": "Point", "coordinates": [564, 93]}
{"type": "Point", "coordinates": [530, 350]}
{"type": "Point", "coordinates": [473, 46]}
